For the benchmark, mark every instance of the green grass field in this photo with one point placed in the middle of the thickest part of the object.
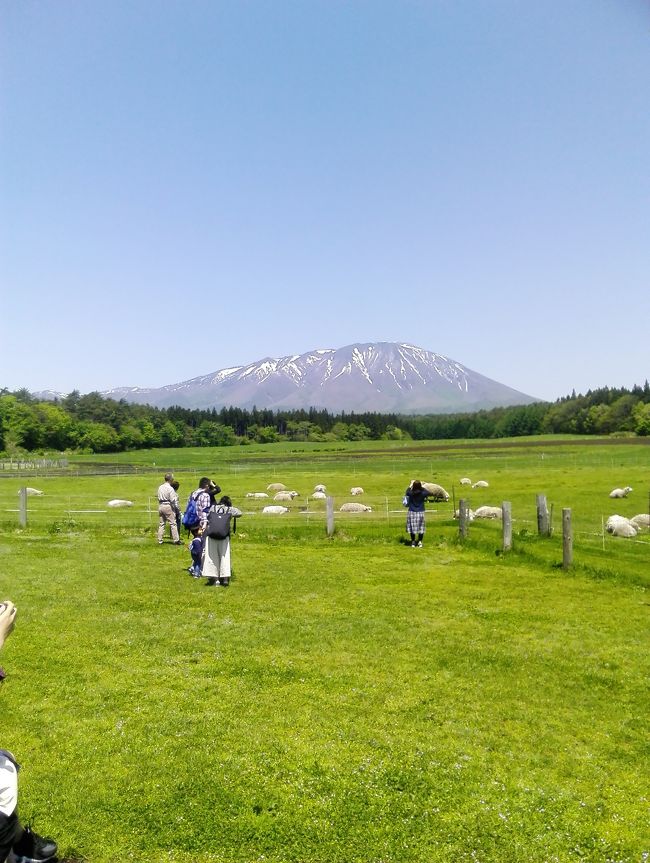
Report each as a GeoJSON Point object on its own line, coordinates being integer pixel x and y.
{"type": "Point", "coordinates": [347, 699]}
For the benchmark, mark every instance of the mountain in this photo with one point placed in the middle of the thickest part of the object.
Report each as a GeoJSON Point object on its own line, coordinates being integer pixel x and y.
{"type": "Point", "coordinates": [382, 377]}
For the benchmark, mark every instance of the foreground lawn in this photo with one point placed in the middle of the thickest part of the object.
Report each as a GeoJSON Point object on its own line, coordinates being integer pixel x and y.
{"type": "Point", "coordinates": [344, 700]}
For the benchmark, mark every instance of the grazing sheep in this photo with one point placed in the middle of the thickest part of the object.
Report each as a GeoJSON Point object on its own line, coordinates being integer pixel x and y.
{"type": "Point", "coordinates": [618, 525]}
{"type": "Point", "coordinates": [356, 490]}
{"type": "Point", "coordinates": [319, 487]}
{"type": "Point", "coordinates": [33, 491]}
{"type": "Point", "coordinates": [285, 495]}
{"type": "Point", "coordinates": [355, 507]}
{"type": "Point", "coordinates": [466, 481]}
{"type": "Point", "coordinates": [115, 504]}
{"type": "Point", "coordinates": [276, 486]}
{"type": "Point", "coordinates": [319, 495]}
{"type": "Point", "coordinates": [471, 515]}
{"type": "Point", "coordinates": [258, 495]}
{"type": "Point", "coordinates": [437, 491]}
{"type": "Point", "coordinates": [480, 484]}
{"type": "Point", "coordinates": [641, 520]}
{"type": "Point", "coordinates": [488, 512]}
{"type": "Point", "coordinates": [621, 492]}
{"type": "Point", "coordinates": [275, 510]}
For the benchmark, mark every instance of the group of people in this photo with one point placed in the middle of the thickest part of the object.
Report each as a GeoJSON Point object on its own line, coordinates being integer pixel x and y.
{"type": "Point", "coordinates": [207, 520]}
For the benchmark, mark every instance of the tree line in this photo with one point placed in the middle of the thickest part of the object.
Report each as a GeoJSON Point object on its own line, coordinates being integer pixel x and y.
{"type": "Point", "coordinates": [95, 424]}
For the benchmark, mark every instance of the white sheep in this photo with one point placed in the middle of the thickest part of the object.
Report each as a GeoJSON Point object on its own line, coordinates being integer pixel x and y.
{"type": "Point", "coordinates": [621, 492]}
{"type": "Point", "coordinates": [471, 515]}
{"type": "Point", "coordinates": [275, 510]}
{"type": "Point", "coordinates": [466, 481]}
{"type": "Point", "coordinates": [118, 502]}
{"type": "Point", "coordinates": [276, 486]}
{"type": "Point", "coordinates": [480, 484]}
{"type": "Point", "coordinates": [319, 495]}
{"type": "Point", "coordinates": [320, 487]}
{"type": "Point", "coordinates": [356, 489]}
{"type": "Point", "coordinates": [285, 495]}
{"type": "Point", "coordinates": [257, 495]}
{"type": "Point", "coordinates": [488, 512]}
{"type": "Point", "coordinates": [641, 520]}
{"type": "Point", "coordinates": [33, 491]}
{"type": "Point", "coordinates": [618, 525]}
{"type": "Point", "coordinates": [437, 491]}
{"type": "Point", "coordinates": [355, 507]}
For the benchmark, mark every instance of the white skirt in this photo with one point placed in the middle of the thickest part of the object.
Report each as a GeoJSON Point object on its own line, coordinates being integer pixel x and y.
{"type": "Point", "coordinates": [216, 559]}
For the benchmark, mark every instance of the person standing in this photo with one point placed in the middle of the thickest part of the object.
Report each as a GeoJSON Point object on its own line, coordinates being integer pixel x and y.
{"type": "Point", "coordinates": [198, 505]}
{"type": "Point", "coordinates": [415, 497]}
{"type": "Point", "coordinates": [175, 484]}
{"type": "Point", "coordinates": [167, 509]}
{"type": "Point", "coordinates": [17, 843]}
{"type": "Point", "coordinates": [216, 557]}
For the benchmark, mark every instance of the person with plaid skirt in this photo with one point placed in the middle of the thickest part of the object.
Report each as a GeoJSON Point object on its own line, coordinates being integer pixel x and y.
{"type": "Point", "coordinates": [415, 496]}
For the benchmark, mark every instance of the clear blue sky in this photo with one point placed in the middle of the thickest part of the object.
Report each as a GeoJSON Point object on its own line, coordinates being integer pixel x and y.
{"type": "Point", "coordinates": [470, 176]}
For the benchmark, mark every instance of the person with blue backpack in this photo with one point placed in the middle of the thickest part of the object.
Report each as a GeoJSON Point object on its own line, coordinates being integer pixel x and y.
{"type": "Point", "coordinates": [196, 516]}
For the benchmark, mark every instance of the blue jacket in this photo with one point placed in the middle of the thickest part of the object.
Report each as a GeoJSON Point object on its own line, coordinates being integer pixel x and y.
{"type": "Point", "coordinates": [416, 499]}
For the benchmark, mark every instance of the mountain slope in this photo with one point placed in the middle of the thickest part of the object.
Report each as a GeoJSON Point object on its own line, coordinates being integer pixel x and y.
{"type": "Point", "coordinates": [381, 377]}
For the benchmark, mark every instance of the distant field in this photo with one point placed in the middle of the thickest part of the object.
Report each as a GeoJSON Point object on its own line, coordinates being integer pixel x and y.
{"type": "Point", "coordinates": [347, 699]}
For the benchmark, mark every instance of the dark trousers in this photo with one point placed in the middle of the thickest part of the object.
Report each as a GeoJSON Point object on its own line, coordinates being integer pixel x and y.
{"type": "Point", "coordinates": [10, 833]}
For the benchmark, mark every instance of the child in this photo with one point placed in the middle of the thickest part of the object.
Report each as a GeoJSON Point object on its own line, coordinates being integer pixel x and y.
{"type": "Point", "coordinates": [196, 550]}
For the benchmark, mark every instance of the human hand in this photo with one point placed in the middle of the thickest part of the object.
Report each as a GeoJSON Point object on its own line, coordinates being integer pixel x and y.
{"type": "Point", "coordinates": [7, 619]}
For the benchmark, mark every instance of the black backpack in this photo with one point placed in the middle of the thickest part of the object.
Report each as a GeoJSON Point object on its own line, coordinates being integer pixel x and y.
{"type": "Point", "coordinates": [218, 524]}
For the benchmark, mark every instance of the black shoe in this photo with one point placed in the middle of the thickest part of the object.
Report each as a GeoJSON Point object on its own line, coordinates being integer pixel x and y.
{"type": "Point", "coordinates": [211, 582]}
{"type": "Point", "coordinates": [32, 848]}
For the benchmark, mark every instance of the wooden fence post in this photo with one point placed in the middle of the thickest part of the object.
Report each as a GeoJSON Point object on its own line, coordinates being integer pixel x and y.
{"type": "Point", "coordinates": [543, 521]}
{"type": "Point", "coordinates": [329, 510]}
{"type": "Point", "coordinates": [506, 509]}
{"type": "Point", "coordinates": [22, 507]}
{"type": "Point", "coordinates": [567, 539]}
{"type": "Point", "coordinates": [463, 519]}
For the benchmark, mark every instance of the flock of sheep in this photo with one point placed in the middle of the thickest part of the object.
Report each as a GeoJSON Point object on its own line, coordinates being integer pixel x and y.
{"type": "Point", "coordinates": [617, 525]}
{"type": "Point", "coordinates": [281, 496]}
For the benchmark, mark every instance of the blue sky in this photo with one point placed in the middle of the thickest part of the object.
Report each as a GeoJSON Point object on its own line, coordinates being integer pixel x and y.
{"type": "Point", "coordinates": [186, 186]}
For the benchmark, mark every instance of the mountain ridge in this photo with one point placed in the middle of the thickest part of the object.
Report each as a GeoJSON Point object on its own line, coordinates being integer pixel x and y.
{"type": "Point", "coordinates": [379, 377]}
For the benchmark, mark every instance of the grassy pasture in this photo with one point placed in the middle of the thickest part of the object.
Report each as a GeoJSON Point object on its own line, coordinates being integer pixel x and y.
{"type": "Point", "coordinates": [344, 700]}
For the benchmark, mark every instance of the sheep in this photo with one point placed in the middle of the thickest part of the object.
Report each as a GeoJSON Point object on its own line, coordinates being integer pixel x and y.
{"type": "Point", "coordinates": [480, 484]}
{"type": "Point", "coordinates": [276, 486]}
{"type": "Point", "coordinates": [115, 504]}
{"type": "Point", "coordinates": [258, 495]}
{"type": "Point", "coordinates": [618, 525]}
{"type": "Point", "coordinates": [466, 481]}
{"type": "Point", "coordinates": [33, 491]}
{"type": "Point", "coordinates": [437, 491]}
{"type": "Point", "coordinates": [356, 489]}
{"type": "Point", "coordinates": [621, 492]}
{"type": "Point", "coordinates": [355, 507]}
{"type": "Point", "coordinates": [319, 495]}
{"type": "Point", "coordinates": [471, 515]}
{"type": "Point", "coordinates": [285, 495]}
{"type": "Point", "coordinates": [319, 487]}
{"type": "Point", "coordinates": [275, 510]}
{"type": "Point", "coordinates": [641, 520]}
{"type": "Point", "coordinates": [488, 512]}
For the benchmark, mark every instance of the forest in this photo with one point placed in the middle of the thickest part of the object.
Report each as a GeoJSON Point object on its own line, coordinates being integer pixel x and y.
{"type": "Point", "coordinates": [94, 424]}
